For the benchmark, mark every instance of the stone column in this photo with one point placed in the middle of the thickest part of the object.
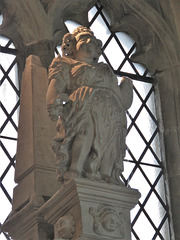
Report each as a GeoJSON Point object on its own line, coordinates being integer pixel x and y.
{"type": "Point", "coordinates": [35, 172]}
{"type": "Point", "coordinates": [87, 210]}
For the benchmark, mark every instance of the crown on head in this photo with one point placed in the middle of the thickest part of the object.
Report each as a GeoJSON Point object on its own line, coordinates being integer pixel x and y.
{"type": "Point", "coordinates": [82, 29]}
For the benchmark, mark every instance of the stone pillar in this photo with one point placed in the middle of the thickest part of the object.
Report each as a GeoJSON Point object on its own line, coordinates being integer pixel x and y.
{"type": "Point", "coordinates": [35, 172]}
{"type": "Point", "coordinates": [87, 210]}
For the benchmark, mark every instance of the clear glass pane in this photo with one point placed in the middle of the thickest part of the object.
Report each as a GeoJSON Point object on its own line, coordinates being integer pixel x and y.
{"type": "Point", "coordinates": [2, 237]}
{"type": "Point", "coordinates": [156, 146]}
{"type": "Point", "coordinates": [136, 104]}
{"type": "Point", "coordinates": [143, 188]}
{"type": "Point", "coordinates": [135, 143]}
{"type": "Point", "coordinates": [10, 146]}
{"type": "Point", "coordinates": [71, 25]}
{"type": "Point", "coordinates": [8, 124]}
{"type": "Point", "coordinates": [5, 207]}
{"type": "Point", "coordinates": [128, 167]}
{"type": "Point", "coordinates": [1, 19]}
{"type": "Point", "coordinates": [150, 104]}
{"type": "Point", "coordinates": [149, 158]}
{"type": "Point", "coordinates": [149, 128]}
{"type": "Point", "coordinates": [9, 97]}
{"type": "Point", "coordinates": [160, 188]}
{"type": "Point", "coordinates": [165, 230]}
{"type": "Point", "coordinates": [141, 69]}
{"type": "Point", "coordinates": [91, 13]}
{"type": "Point", "coordinates": [128, 68]}
{"type": "Point", "coordinates": [100, 30]}
{"type": "Point", "coordinates": [126, 41]}
{"type": "Point", "coordinates": [9, 130]}
{"type": "Point", "coordinates": [151, 172]}
{"type": "Point", "coordinates": [113, 52]}
{"type": "Point", "coordinates": [6, 59]}
{"type": "Point", "coordinates": [144, 229]}
{"type": "Point", "coordinates": [3, 42]}
{"type": "Point", "coordinates": [8, 181]}
{"type": "Point", "coordinates": [143, 88]}
{"type": "Point", "coordinates": [4, 160]}
{"type": "Point", "coordinates": [154, 203]}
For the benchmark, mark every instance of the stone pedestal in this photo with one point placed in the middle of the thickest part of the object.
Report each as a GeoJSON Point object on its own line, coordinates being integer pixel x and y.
{"type": "Point", "coordinates": [89, 210]}
{"type": "Point", "coordinates": [26, 224]}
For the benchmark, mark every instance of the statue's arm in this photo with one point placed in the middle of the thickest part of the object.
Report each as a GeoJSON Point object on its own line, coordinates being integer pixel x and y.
{"type": "Point", "coordinates": [126, 92]}
{"type": "Point", "coordinates": [55, 97]}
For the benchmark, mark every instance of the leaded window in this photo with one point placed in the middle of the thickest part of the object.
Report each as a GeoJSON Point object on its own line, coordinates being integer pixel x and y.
{"type": "Point", "coordinates": [9, 107]}
{"type": "Point", "coordinates": [144, 161]}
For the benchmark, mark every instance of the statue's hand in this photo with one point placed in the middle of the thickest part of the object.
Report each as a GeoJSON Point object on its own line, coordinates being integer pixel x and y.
{"type": "Point", "coordinates": [63, 98]}
{"type": "Point", "coordinates": [55, 109]}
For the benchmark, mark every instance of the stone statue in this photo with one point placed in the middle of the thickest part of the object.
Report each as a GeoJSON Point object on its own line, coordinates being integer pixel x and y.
{"type": "Point", "coordinates": [90, 109]}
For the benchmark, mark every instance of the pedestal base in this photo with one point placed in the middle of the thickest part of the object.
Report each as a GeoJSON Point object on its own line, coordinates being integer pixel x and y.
{"type": "Point", "coordinates": [27, 224]}
{"type": "Point", "coordinates": [86, 210]}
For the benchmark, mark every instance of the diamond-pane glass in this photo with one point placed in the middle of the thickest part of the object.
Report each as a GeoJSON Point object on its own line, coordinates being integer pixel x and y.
{"type": "Point", "coordinates": [9, 107]}
{"type": "Point", "coordinates": [143, 166]}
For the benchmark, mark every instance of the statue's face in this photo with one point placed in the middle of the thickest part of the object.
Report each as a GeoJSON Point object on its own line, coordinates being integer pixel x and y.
{"type": "Point", "coordinates": [88, 48]}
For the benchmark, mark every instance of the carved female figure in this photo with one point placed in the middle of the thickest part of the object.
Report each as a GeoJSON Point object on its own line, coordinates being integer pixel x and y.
{"type": "Point", "coordinates": [84, 98]}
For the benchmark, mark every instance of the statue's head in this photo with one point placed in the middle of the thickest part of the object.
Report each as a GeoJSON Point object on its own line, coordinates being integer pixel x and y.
{"type": "Point", "coordinates": [82, 45]}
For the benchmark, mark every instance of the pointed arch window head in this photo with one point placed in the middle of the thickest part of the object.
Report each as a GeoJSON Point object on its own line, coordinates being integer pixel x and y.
{"type": "Point", "coordinates": [143, 163]}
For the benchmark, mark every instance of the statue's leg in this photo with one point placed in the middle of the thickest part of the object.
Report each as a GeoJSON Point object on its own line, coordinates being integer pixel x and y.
{"type": "Point", "coordinates": [111, 155]}
{"type": "Point", "coordinates": [82, 145]}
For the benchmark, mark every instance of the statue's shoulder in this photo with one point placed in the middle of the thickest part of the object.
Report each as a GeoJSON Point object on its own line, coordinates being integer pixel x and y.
{"type": "Point", "coordinates": [105, 70]}
{"type": "Point", "coordinates": [61, 61]}
{"type": "Point", "coordinates": [101, 66]}
{"type": "Point", "coordinates": [60, 68]}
